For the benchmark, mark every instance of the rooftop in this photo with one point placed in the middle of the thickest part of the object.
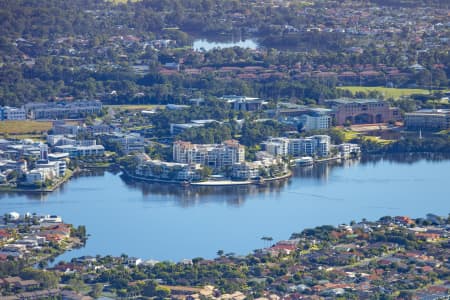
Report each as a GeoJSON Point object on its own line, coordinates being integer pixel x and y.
{"type": "Point", "coordinates": [358, 101]}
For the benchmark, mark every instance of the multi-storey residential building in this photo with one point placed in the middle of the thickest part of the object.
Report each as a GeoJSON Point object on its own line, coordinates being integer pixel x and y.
{"type": "Point", "coordinates": [75, 151]}
{"type": "Point", "coordinates": [428, 119]}
{"type": "Point", "coordinates": [314, 121]}
{"type": "Point", "coordinates": [63, 110]}
{"type": "Point", "coordinates": [60, 127]}
{"type": "Point", "coordinates": [316, 145]}
{"type": "Point", "coordinates": [347, 150]}
{"type": "Point", "coordinates": [362, 111]}
{"type": "Point", "coordinates": [277, 146]}
{"type": "Point", "coordinates": [161, 170]}
{"type": "Point", "coordinates": [128, 142]}
{"type": "Point", "coordinates": [303, 117]}
{"type": "Point", "coordinates": [260, 168]}
{"type": "Point", "coordinates": [215, 156]}
{"type": "Point", "coordinates": [12, 113]}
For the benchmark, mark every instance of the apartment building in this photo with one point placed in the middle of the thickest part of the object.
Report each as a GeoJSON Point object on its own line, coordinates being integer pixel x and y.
{"type": "Point", "coordinates": [215, 156]}
{"type": "Point", "coordinates": [428, 119]}
{"type": "Point", "coordinates": [316, 145]}
{"type": "Point", "coordinates": [12, 113]}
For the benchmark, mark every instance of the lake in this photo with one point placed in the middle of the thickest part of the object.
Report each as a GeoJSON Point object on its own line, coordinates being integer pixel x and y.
{"type": "Point", "coordinates": [169, 222]}
{"type": "Point", "coordinates": [206, 45]}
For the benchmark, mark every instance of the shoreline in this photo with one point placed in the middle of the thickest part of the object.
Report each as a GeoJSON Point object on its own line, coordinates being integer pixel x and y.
{"type": "Point", "coordinates": [42, 191]}
{"type": "Point", "coordinates": [210, 183]}
{"type": "Point", "coordinates": [238, 183]}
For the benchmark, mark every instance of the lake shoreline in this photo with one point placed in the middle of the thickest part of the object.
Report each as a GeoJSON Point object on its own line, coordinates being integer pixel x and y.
{"type": "Point", "coordinates": [209, 183]}
{"type": "Point", "coordinates": [313, 196]}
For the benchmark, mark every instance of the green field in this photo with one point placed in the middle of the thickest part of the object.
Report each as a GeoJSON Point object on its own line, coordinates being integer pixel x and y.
{"type": "Point", "coordinates": [386, 92]}
{"type": "Point", "coordinates": [24, 127]}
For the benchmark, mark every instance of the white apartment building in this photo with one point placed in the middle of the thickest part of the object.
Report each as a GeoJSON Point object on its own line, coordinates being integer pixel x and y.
{"type": "Point", "coordinates": [156, 169]}
{"type": "Point", "coordinates": [12, 113]}
{"type": "Point", "coordinates": [129, 142]}
{"type": "Point", "coordinates": [315, 122]}
{"type": "Point", "coordinates": [316, 145]}
{"type": "Point", "coordinates": [215, 156]}
{"type": "Point", "coordinates": [277, 146]}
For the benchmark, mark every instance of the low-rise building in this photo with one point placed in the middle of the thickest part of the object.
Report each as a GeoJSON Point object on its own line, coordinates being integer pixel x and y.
{"type": "Point", "coordinates": [59, 140]}
{"type": "Point", "coordinates": [181, 127]}
{"type": "Point", "coordinates": [63, 110]}
{"type": "Point", "coordinates": [428, 119]}
{"type": "Point", "coordinates": [19, 166]}
{"type": "Point", "coordinates": [12, 113]}
{"type": "Point", "coordinates": [128, 142]}
{"type": "Point", "coordinates": [257, 169]}
{"type": "Point", "coordinates": [304, 118]}
{"type": "Point", "coordinates": [59, 166]}
{"type": "Point", "coordinates": [160, 170]}
{"type": "Point", "coordinates": [78, 151]}
{"type": "Point", "coordinates": [243, 103]}
{"type": "Point", "coordinates": [61, 128]}
{"type": "Point", "coordinates": [39, 176]}
{"type": "Point", "coordinates": [348, 150]}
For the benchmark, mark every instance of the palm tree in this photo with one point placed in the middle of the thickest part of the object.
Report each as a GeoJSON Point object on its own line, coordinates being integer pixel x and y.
{"type": "Point", "coordinates": [267, 240]}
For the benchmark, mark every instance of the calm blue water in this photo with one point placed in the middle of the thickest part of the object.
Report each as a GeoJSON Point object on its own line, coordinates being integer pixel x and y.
{"type": "Point", "coordinates": [167, 222]}
{"type": "Point", "coordinates": [203, 44]}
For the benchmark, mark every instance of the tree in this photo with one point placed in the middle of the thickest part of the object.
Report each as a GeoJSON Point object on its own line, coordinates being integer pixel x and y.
{"type": "Point", "coordinates": [45, 278]}
{"type": "Point", "coordinates": [77, 284]}
{"type": "Point", "coordinates": [267, 240]}
{"type": "Point", "coordinates": [205, 172]}
{"type": "Point", "coordinates": [149, 288]}
{"type": "Point", "coordinates": [162, 292]}
{"type": "Point", "coordinates": [97, 290]}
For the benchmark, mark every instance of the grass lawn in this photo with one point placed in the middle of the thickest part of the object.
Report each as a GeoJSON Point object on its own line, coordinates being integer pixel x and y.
{"type": "Point", "coordinates": [24, 127]}
{"type": "Point", "coordinates": [349, 135]}
{"type": "Point", "coordinates": [135, 107]}
{"type": "Point", "coordinates": [386, 92]}
{"type": "Point", "coordinates": [376, 139]}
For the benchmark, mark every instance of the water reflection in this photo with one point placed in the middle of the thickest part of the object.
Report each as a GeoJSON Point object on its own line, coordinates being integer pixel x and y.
{"type": "Point", "coordinates": [151, 220]}
{"type": "Point", "coordinates": [206, 45]}
{"type": "Point", "coordinates": [406, 158]}
{"type": "Point", "coordinates": [192, 195]}
{"type": "Point", "coordinates": [233, 195]}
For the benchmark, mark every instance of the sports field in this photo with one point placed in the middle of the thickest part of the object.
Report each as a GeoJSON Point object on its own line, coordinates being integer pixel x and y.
{"type": "Point", "coordinates": [386, 92]}
{"type": "Point", "coordinates": [24, 127]}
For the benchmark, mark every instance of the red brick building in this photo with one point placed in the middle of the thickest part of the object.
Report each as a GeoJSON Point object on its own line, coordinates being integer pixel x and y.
{"type": "Point", "coordinates": [362, 111]}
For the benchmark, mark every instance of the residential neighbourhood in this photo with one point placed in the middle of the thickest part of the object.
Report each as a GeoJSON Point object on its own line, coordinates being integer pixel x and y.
{"type": "Point", "coordinates": [356, 260]}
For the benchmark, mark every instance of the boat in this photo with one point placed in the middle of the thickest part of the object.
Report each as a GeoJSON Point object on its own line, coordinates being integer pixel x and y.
{"type": "Point", "coordinates": [304, 161]}
{"type": "Point", "coordinates": [185, 183]}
